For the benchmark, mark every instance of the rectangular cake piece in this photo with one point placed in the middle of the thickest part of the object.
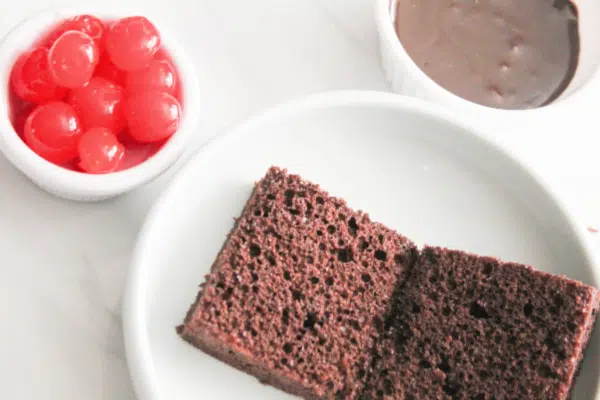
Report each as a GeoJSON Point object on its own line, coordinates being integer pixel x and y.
{"type": "Point", "coordinates": [476, 328]}
{"type": "Point", "coordinates": [298, 293]}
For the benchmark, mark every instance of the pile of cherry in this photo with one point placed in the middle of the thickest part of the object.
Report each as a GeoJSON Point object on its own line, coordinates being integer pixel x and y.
{"type": "Point", "coordinates": [96, 97]}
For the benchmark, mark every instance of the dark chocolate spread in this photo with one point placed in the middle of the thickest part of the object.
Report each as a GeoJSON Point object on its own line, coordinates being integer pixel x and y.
{"type": "Point", "coordinates": [511, 54]}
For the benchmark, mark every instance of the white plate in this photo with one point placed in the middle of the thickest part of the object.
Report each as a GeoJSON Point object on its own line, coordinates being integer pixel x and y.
{"type": "Point", "coordinates": [414, 168]}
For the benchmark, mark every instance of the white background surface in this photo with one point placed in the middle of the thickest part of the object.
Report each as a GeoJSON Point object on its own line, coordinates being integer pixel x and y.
{"type": "Point", "coordinates": [64, 263]}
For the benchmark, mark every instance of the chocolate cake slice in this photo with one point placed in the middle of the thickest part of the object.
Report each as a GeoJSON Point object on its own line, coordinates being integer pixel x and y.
{"type": "Point", "coordinates": [297, 295]}
{"type": "Point", "coordinates": [475, 328]}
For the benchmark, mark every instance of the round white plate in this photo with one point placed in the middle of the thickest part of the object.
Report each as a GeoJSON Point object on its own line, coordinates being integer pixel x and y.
{"type": "Point", "coordinates": [409, 165]}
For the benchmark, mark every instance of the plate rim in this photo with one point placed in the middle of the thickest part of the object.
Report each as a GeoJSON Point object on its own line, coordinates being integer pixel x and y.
{"type": "Point", "coordinates": [136, 343]}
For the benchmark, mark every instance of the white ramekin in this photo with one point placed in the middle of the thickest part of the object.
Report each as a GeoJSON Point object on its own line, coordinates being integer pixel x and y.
{"type": "Point", "coordinates": [407, 78]}
{"type": "Point", "coordinates": [75, 185]}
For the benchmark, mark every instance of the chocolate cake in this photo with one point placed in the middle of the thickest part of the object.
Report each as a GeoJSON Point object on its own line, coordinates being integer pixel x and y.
{"type": "Point", "coordinates": [476, 328]}
{"type": "Point", "coordinates": [298, 293]}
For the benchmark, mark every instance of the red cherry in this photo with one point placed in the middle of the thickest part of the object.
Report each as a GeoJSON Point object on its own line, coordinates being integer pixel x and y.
{"type": "Point", "coordinates": [72, 59]}
{"type": "Point", "coordinates": [31, 80]}
{"type": "Point", "coordinates": [159, 75]}
{"type": "Point", "coordinates": [20, 118]}
{"type": "Point", "coordinates": [132, 42]}
{"type": "Point", "coordinates": [54, 124]}
{"type": "Point", "coordinates": [99, 104]}
{"type": "Point", "coordinates": [61, 155]}
{"type": "Point", "coordinates": [152, 115]}
{"type": "Point", "coordinates": [107, 70]}
{"type": "Point", "coordinates": [48, 40]}
{"type": "Point", "coordinates": [100, 151]}
{"type": "Point", "coordinates": [90, 25]}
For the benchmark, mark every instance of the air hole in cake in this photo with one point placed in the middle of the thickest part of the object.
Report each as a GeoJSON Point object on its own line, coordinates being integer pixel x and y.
{"type": "Point", "coordinates": [512, 339]}
{"type": "Point", "coordinates": [254, 277]}
{"type": "Point", "coordinates": [341, 217]}
{"type": "Point", "coordinates": [388, 387]}
{"type": "Point", "coordinates": [398, 259]}
{"type": "Point", "coordinates": [434, 296]}
{"type": "Point", "coordinates": [293, 211]}
{"type": "Point", "coordinates": [289, 194]}
{"type": "Point", "coordinates": [452, 284]}
{"type": "Point", "coordinates": [444, 365]}
{"type": "Point", "coordinates": [497, 338]}
{"type": "Point", "coordinates": [257, 213]}
{"type": "Point", "coordinates": [300, 360]}
{"type": "Point", "coordinates": [341, 242]}
{"type": "Point", "coordinates": [254, 250]}
{"type": "Point", "coordinates": [366, 278]}
{"type": "Point", "coordinates": [314, 280]}
{"type": "Point", "coordinates": [322, 247]}
{"type": "Point", "coordinates": [271, 196]}
{"type": "Point", "coordinates": [487, 269]}
{"type": "Point", "coordinates": [433, 278]}
{"type": "Point", "coordinates": [320, 200]}
{"type": "Point", "coordinates": [360, 374]}
{"type": "Point", "coordinates": [255, 289]}
{"type": "Point", "coordinates": [329, 281]}
{"type": "Point", "coordinates": [478, 311]}
{"type": "Point", "coordinates": [381, 255]}
{"type": "Point", "coordinates": [331, 229]}
{"type": "Point", "coordinates": [528, 309]}
{"type": "Point", "coordinates": [363, 244]}
{"type": "Point", "coordinates": [345, 255]}
{"type": "Point", "coordinates": [546, 371]}
{"type": "Point", "coordinates": [424, 364]}
{"type": "Point", "coordinates": [365, 264]}
{"type": "Point", "coordinates": [352, 226]}
{"type": "Point", "coordinates": [416, 308]}
{"type": "Point", "coordinates": [271, 259]}
{"type": "Point", "coordinates": [310, 259]}
{"type": "Point", "coordinates": [297, 295]}
{"type": "Point", "coordinates": [288, 348]}
{"type": "Point", "coordinates": [344, 295]}
{"type": "Point", "coordinates": [286, 275]}
{"type": "Point", "coordinates": [480, 396]}
{"type": "Point", "coordinates": [446, 311]}
{"type": "Point", "coordinates": [451, 388]}
{"type": "Point", "coordinates": [571, 326]}
{"type": "Point", "coordinates": [558, 301]}
{"type": "Point", "coordinates": [294, 258]}
{"type": "Point", "coordinates": [380, 237]}
{"type": "Point", "coordinates": [354, 324]}
{"type": "Point", "coordinates": [319, 232]}
{"type": "Point", "coordinates": [379, 393]}
{"type": "Point", "coordinates": [227, 294]}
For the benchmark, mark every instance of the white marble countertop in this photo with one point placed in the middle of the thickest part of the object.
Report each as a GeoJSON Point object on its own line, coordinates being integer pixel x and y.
{"type": "Point", "coordinates": [64, 263]}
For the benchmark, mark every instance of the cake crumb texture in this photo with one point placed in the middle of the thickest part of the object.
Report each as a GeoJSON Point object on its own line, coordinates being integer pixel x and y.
{"type": "Point", "coordinates": [475, 328]}
{"type": "Point", "coordinates": [298, 294]}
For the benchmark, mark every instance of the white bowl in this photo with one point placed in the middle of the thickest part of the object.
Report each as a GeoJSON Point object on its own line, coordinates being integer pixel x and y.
{"type": "Point", "coordinates": [411, 166]}
{"type": "Point", "coordinates": [79, 186]}
{"type": "Point", "coordinates": [405, 76]}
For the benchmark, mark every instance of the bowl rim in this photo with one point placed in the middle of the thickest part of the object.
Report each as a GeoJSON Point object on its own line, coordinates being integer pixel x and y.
{"type": "Point", "coordinates": [137, 348]}
{"type": "Point", "coordinates": [387, 33]}
{"type": "Point", "coordinates": [93, 185]}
